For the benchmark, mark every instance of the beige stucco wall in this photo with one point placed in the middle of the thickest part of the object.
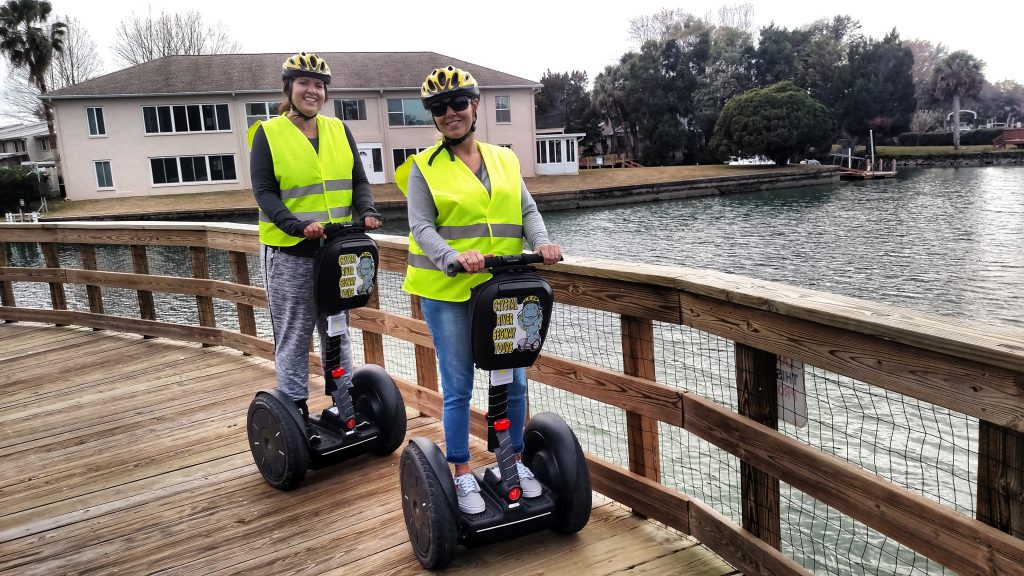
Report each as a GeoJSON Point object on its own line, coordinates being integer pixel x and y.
{"type": "Point", "coordinates": [128, 148]}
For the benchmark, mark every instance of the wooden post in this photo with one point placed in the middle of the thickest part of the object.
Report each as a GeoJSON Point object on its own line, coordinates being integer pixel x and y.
{"type": "Point", "coordinates": [240, 275]}
{"type": "Point", "coordinates": [6, 287]}
{"type": "Point", "coordinates": [95, 293]}
{"type": "Point", "coordinates": [140, 264]}
{"type": "Point", "coordinates": [373, 343]}
{"type": "Point", "coordinates": [201, 271]}
{"type": "Point", "coordinates": [1001, 478]}
{"type": "Point", "coordinates": [757, 399]}
{"type": "Point", "coordinates": [641, 431]}
{"type": "Point", "coordinates": [426, 359]}
{"type": "Point", "coordinates": [57, 296]}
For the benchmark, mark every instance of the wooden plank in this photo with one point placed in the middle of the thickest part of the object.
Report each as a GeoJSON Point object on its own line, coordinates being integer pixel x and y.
{"type": "Point", "coordinates": [986, 392]}
{"type": "Point", "coordinates": [641, 431]}
{"type": "Point", "coordinates": [986, 344]}
{"type": "Point", "coordinates": [637, 395]}
{"type": "Point", "coordinates": [57, 297]}
{"type": "Point", "coordinates": [1001, 478]}
{"type": "Point", "coordinates": [201, 271]}
{"type": "Point", "coordinates": [426, 357]}
{"type": "Point", "coordinates": [757, 399]}
{"type": "Point", "coordinates": [944, 535]}
{"type": "Point", "coordinates": [94, 292]}
{"type": "Point", "coordinates": [616, 295]}
{"type": "Point", "coordinates": [752, 556]}
{"type": "Point", "coordinates": [373, 343]}
{"type": "Point", "coordinates": [140, 265]}
{"type": "Point", "coordinates": [6, 288]}
{"type": "Point", "coordinates": [240, 276]}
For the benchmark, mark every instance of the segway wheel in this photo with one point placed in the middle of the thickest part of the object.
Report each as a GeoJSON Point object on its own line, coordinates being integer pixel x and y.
{"type": "Point", "coordinates": [278, 444]}
{"type": "Point", "coordinates": [429, 518]}
{"type": "Point", "coordinates": [554, 455]}
{"type": "Point", "coordinates": [376, 395]}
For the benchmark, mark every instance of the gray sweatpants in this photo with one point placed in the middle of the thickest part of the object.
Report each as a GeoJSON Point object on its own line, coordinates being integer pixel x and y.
{"type": "Point", "coordinates": [291, 297]}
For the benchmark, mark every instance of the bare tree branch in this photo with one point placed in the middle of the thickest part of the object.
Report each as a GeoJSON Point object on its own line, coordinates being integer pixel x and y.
{"type": "Point", "coordinates": [141, 39]}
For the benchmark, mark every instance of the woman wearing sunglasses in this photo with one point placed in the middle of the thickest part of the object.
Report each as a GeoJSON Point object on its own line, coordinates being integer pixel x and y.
{"type": "Point", "coordinates": [304, 174]}
{"type": "Point", "coordinates": [466, 199]}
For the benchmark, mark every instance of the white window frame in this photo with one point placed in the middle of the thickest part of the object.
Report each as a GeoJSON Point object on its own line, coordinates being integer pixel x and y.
{"type": "Point", "coordinates": [110, 170]}
{"type": "Point", "coordinates": [339, 109]}
{"type": "Point", "coordinates": [172, 115]}
{"type": "Point", "coordinates": [94, 120]}
{"type": "Point", "coordinates": [178, 160]}
{"type": "Point", "coordinates": [503, 103]}
{"type": "Point", "coordinates": [408, 151]}
{"type": "Point", "coordinates": [44, 143]}
{"type": "Point", "coordinates": [251, 119]}
{"type": "Point", "coordinates": [408, 101]}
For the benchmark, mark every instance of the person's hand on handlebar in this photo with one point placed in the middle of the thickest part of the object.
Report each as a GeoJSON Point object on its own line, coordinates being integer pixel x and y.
{"type": "Point", "coordinates": [552, 253]}
{"type": "Point", "coordinates": [372, 223]}
{"type": "Point", "coordinates": [472, 260]}
{"type": "Point", "coordinates": [313, 230]}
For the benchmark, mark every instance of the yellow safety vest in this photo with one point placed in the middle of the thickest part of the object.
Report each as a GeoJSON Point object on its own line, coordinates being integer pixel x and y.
{"type": "Point", "coordinates": [314, 186]}
{"type": "Point", "coordinates": [467, 217]}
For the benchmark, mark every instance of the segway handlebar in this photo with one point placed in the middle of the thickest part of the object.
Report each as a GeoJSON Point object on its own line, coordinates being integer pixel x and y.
{"type": "Point", "coordinates": [500, 262]}
{"type": "Point", "coordinates": [335, 228]}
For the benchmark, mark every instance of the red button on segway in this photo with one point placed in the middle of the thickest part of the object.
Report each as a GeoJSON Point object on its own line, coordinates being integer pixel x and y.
{"type": "Point", "coordinates": [337, 372]}
{"type": "Point", "coordinates": [502, 425]}
{"type": "Point", "coordinates": [515, 493]}
{"type": "Point", "coordinates": [350, 423]}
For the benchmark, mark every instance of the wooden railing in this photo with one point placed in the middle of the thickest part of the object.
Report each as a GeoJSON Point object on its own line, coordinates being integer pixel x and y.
{"type": "Point", "coordinates": [968, 368]}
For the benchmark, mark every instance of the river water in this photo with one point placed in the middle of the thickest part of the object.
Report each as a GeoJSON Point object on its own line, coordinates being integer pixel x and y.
{"type": "Point", "coordinates": [943, 241]}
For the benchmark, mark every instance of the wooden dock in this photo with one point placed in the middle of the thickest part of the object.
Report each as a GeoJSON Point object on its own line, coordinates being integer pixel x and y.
{"type": "Point", "coordinates": [120, 454]}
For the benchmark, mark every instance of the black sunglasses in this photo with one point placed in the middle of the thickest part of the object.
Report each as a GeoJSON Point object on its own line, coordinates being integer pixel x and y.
{"type": "Point", "coordinates": [458, 104]}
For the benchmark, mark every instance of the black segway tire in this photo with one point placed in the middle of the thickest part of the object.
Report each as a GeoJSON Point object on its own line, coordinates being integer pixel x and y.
{"type": "Point", "coordinates": [375, 395]}
{"type": "Point", "coordinates": [554, 455]}
{"type": "Point", "coordinates": [429, 518]}
{"type": "Point", "coordinates": [277, 443]}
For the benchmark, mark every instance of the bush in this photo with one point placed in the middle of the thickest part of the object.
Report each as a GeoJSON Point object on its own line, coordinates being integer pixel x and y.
{"type": "Point", "coordinates": [979, 137]}
{"type": "Point", "coordinates": [16, 183]}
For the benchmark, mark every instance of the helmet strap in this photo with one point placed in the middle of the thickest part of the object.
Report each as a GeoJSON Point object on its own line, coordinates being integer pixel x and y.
{"type": "Point", "coordinates": [449, 143]}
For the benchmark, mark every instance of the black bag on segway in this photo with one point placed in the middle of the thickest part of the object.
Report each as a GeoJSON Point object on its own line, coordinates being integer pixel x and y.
{"type": "Point", "coordinates": [510, 315]}
{"type": "Point", "coordinates": [346, 270]}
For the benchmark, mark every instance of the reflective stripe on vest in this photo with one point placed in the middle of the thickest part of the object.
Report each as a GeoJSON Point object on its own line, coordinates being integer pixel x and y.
{"type": "Point", "coordinates": [468, 218]}
{"type": "Point", "coordinates": [314, 186]}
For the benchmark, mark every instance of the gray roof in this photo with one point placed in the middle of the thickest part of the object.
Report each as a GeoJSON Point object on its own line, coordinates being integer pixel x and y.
{"type": "Point", "coordinates": [226, 73]}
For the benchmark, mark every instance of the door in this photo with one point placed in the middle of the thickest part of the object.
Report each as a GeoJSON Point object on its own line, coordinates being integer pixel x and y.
{"type": "Point", "coordinates": [372, 158]}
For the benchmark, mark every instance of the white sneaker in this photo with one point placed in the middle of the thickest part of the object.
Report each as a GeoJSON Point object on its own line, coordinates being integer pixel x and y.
{"type": "Point", "coordinates": [528, 483]}
{"type": "Point", "coordinates": [468, 492]}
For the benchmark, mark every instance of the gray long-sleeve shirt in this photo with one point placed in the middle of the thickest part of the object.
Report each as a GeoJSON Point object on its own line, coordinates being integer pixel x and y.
{"type": "Point", "coordinates": [423, 218]}
{"type": "Point", "coordinates": [267, 190]}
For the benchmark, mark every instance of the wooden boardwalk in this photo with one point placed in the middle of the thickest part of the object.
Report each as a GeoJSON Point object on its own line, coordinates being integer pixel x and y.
{"type": "Point", "coordinates": [129, 455]}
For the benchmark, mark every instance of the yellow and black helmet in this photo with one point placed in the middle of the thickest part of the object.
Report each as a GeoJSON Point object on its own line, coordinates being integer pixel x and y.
{"type": "Point", "coordinates": [447, 81]}
{"type": "Point", "coordinates": [306, 64]}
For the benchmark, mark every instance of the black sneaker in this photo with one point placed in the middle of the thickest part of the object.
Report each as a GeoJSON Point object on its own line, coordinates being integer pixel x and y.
{"type": "Point", "coordinates": [311, 434]}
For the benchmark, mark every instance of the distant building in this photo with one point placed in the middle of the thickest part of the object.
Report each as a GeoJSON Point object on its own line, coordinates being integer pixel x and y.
{"type": "Point", "coordinates": [178, 124]}
{"type": "Point", "coordinates": [28, 145]}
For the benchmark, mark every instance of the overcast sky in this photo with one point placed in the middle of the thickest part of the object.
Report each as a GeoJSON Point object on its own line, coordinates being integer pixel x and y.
{"type": "Point", "coordinates": [528, 37]}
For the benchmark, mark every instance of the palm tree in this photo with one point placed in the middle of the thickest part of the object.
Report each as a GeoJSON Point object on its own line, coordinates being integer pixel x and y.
{"type": "Point", "coordinates": [27, 43]}
{"type": "Point", "coordinates": [956, 77]}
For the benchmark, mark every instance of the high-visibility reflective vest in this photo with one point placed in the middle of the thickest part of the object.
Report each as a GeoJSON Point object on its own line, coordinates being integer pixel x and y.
{"type": "Point", "coordinates": [314, 186]}
{"type": "Point", "coordinates": [467, 217]}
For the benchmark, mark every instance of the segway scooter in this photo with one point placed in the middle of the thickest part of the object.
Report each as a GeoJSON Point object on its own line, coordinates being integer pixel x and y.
{"type": "Point", "coordinates": [509, 315]}
{"type": "Point", "coordinates": [368, 416]}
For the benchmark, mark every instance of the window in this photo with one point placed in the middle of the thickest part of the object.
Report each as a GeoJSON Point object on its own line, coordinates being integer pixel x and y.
{"type": "Point", "coordinates": [186, 118]}
{"type": "Point", "coordinates": [542, 152]}
{"type": "Point", "coordinates": [259, 112]}
{"type": "Point", "coordinates": [401, 154]}
{"type": "Point", "coordinates": [350, 109]}
{"type": "Point", "coordinates": [43, 143]}
{"type": "Point", "coordinates": [96, 125]}
{"type": "Point", "coordinates": [104, 179]}
{"type": "Point", "coordinates": [502, 111]}
{"type": "Point", "coordinates": [408, 112]}
{"type": "Point", "coordinates": [192, 169]}
{"type": "Point", "coordinates": [19, 146]}
{"type": "Point", "coordinates": [570, 150]}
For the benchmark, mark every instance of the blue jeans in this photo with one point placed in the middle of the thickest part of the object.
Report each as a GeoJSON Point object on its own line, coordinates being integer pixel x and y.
{"type": "Point", "coordinates": [449, 327]}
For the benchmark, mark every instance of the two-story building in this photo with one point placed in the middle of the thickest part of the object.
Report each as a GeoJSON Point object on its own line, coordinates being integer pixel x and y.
{"type": "Point", "coordinates": [179, 124]}
{"type": "Point", "coordinates": [28, 145]}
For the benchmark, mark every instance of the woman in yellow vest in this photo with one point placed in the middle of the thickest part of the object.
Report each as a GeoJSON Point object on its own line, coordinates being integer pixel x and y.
{"type": "Point", "coordinates": [304, 174]}
{"type": "Point", "coordinates": [466, 199]}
